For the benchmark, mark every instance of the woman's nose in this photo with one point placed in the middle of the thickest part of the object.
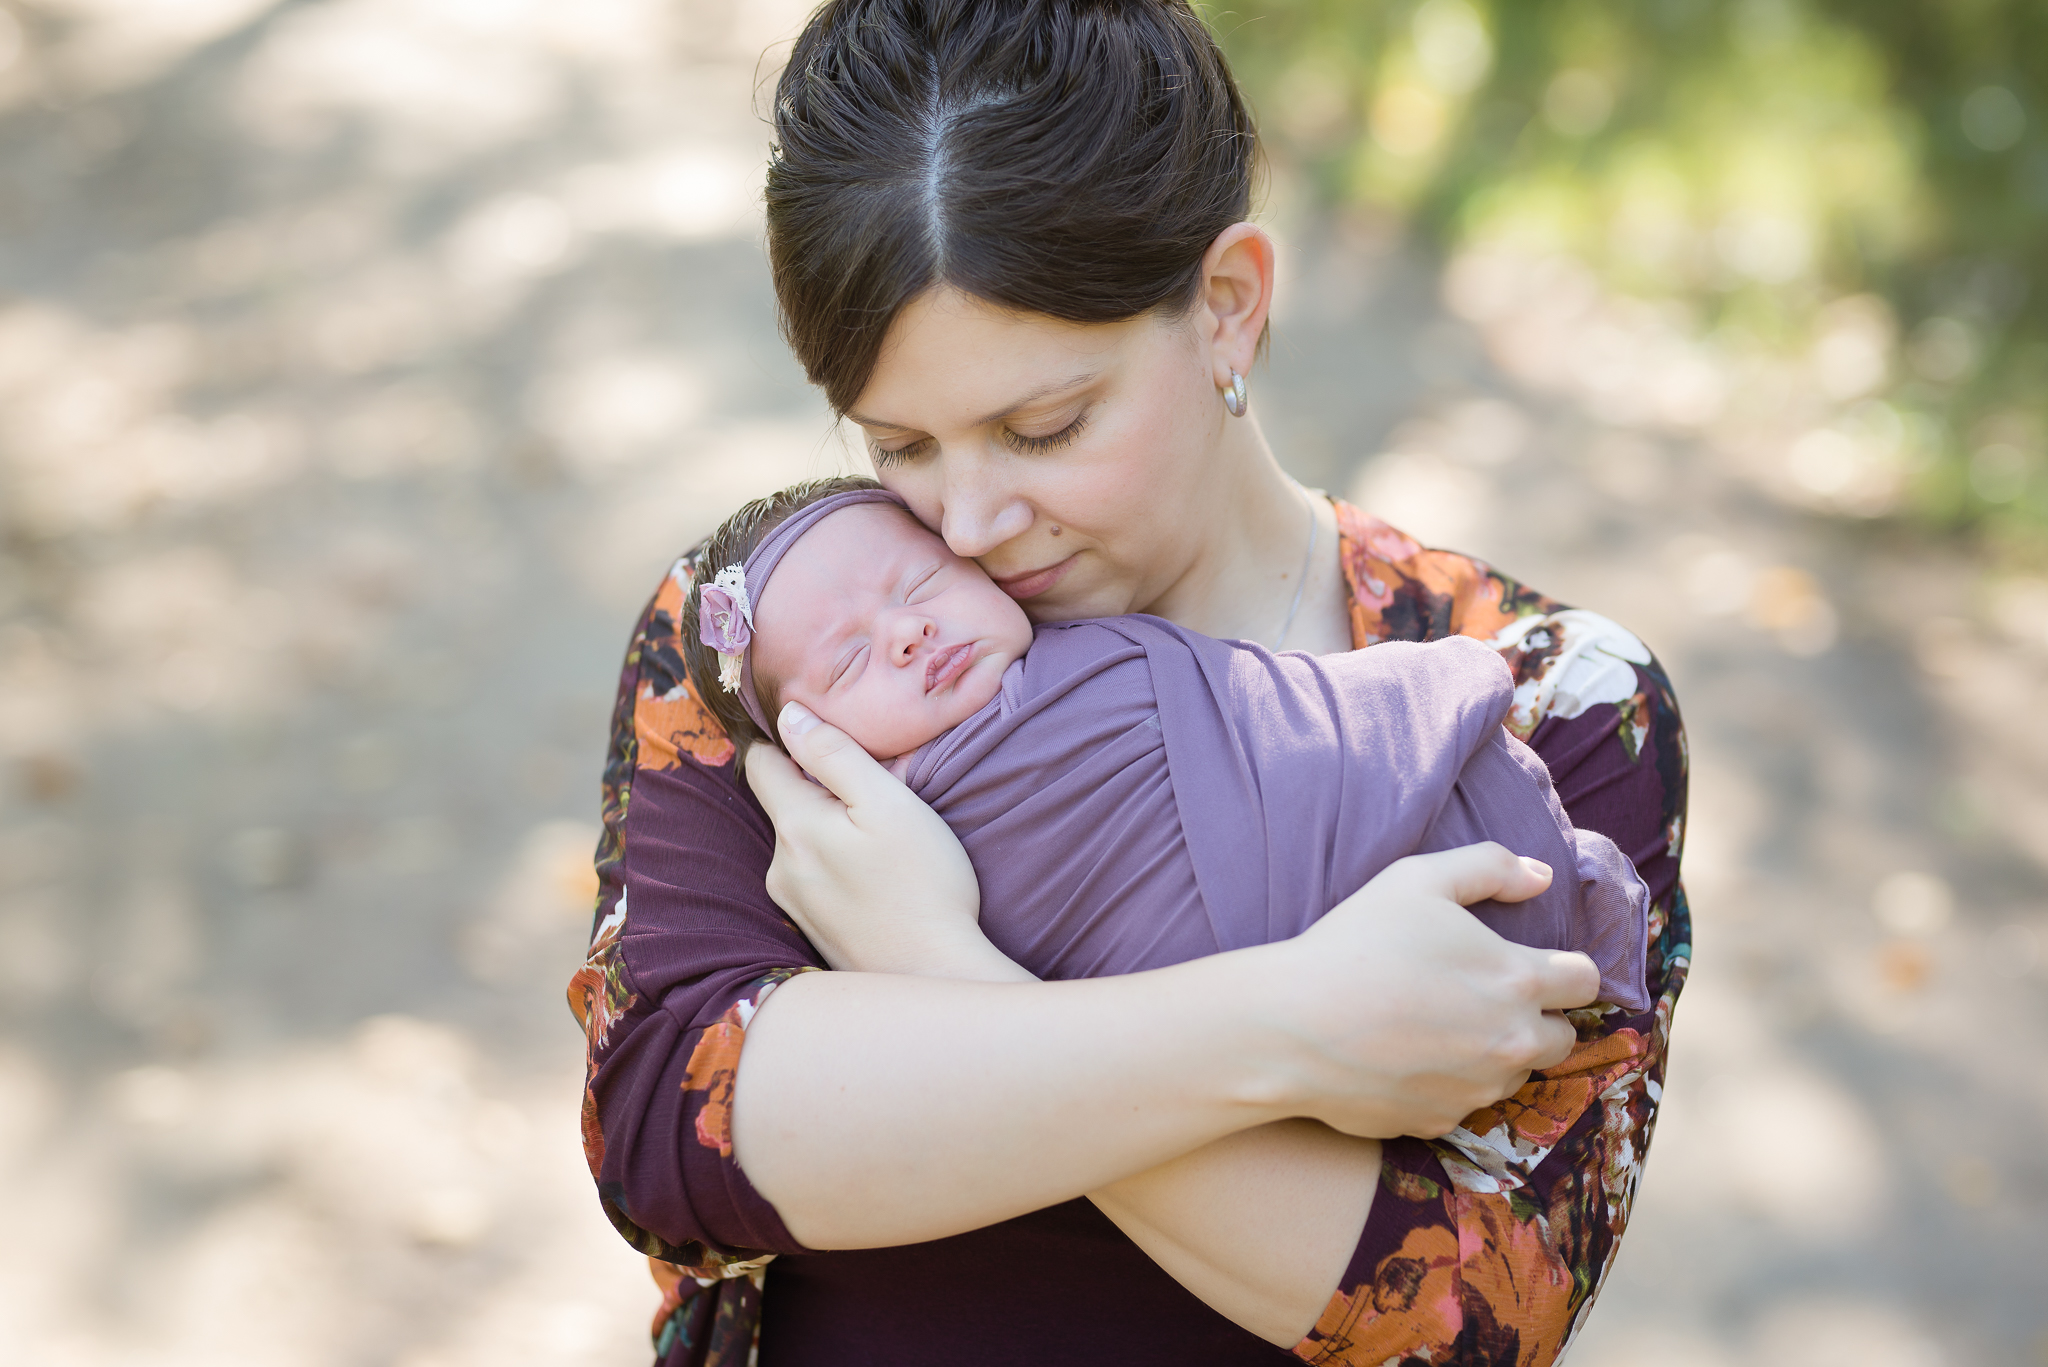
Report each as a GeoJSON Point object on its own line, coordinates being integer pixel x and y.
{"type": "Point", "coordinates": [979, 514]}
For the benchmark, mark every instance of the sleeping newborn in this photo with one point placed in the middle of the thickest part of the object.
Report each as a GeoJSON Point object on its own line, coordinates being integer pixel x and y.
{"type": "Point", "coordinates": [1133, 794]}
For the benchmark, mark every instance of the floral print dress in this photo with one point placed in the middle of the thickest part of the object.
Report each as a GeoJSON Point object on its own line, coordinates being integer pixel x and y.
{"type": "Point", "coordinates": [1484, 1247]}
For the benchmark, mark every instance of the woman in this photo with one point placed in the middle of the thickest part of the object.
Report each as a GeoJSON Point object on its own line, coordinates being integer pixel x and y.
{"type": "Point", "coordinates": [1009, 242]}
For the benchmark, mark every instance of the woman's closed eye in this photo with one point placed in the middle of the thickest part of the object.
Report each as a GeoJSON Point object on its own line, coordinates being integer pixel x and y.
{"type": "Point", "coordinates": [884, 456]}
{"type": "Point", "coordinates": [1053, 441]}
{"type": "Point", "coordinates": [1020, 442]}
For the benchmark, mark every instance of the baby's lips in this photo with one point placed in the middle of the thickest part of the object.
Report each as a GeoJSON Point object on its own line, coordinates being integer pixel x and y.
{"type": "Point", "coordinates": [946, 665]}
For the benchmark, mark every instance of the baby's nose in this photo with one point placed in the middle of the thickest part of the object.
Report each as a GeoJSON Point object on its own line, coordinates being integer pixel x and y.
{"type": "Point", "coordinates": [911, 631]}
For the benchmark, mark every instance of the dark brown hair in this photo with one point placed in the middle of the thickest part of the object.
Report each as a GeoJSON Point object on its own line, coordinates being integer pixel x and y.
{"type": "Point", "coordinates": [731, 544]}
{"type": "Point", "coordinates": [1071, 158]}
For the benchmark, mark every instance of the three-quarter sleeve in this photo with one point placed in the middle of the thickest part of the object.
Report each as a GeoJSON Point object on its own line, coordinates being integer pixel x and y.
{"type": "Point", "coordinates": [1597, 706]}
{"type": "Point", "coordinates": [1493, 1241]}
{"type": "Point", "coordinates": [685, 946]}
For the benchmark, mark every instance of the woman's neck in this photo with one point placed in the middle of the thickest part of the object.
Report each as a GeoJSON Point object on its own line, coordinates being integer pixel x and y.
{"type": "Point", "coordinates": [1250, 530]}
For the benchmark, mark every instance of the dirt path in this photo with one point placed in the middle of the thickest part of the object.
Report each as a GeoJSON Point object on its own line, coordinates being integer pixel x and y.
{"type": "Point", "coordinates": [354, 357]}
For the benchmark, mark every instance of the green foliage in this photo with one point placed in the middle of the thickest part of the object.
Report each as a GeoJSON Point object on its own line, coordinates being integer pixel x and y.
{"type": "Point", "coordinates": [1773, 171]}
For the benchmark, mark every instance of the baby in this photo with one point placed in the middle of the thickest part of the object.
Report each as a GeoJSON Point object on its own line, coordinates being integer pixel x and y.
{"type": "Point", "coordinates": [1133, 794]}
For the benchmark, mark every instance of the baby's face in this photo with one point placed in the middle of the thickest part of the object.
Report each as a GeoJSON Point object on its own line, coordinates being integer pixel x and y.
{"type": "Point", "coordinates": [878, 628]}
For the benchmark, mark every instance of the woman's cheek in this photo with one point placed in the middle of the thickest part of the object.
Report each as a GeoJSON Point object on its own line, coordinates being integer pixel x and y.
{"type": "Point", "coordinates": [918, 486]}
{"type": "Point", "coordinates": [1126, 492]}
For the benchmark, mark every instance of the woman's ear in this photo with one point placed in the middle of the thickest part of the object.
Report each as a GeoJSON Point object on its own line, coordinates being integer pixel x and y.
{"type": "Point", "coordinates": [1237, 294]}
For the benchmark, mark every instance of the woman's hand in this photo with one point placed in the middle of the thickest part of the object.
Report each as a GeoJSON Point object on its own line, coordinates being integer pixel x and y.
{"type": "Point", "coordinates": [871, 874]}
{"type": "Point", "coordinates": [1413, 1014]}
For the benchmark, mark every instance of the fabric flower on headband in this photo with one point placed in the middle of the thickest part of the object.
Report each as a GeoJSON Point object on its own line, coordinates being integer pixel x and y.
{"type": "Point", "coordinates": [725, 622]}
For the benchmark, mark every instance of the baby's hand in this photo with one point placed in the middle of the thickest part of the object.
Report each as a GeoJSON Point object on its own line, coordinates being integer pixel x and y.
{"type": "Point", "coordinates": [867, 870]}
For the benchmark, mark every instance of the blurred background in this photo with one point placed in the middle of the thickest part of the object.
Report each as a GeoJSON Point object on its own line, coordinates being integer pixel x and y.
{"type": "Point", "coordinates": [364, 362]}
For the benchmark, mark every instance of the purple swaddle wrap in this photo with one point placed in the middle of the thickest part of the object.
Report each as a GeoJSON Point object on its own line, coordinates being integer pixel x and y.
{"type": "Point", "coordinates": [1139, 795]}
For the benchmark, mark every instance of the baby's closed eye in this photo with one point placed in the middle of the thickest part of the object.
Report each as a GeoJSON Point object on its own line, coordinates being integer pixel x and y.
{"type": "Point", "coordinates": [849, 666]}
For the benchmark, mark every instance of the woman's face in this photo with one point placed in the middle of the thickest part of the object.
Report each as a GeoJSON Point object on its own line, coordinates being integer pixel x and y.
{"type": "Point", "coordinates": [1072, 460]}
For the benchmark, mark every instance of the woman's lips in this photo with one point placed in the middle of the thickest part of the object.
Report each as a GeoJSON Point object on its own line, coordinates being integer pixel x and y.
{"type": "Point", "coordinates": [1034, 582]}
{"type": "Point", "coordinates": [946, 665]}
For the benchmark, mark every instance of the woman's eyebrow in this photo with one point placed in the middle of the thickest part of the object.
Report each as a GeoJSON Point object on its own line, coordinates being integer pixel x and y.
{"type": "Point", "coordinates": [1044, 391]}
{"type": "Point", "coordinates": [863, 420]}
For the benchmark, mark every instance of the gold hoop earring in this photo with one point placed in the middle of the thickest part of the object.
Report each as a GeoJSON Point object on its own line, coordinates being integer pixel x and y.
{"type": "Point", "coordinates": [1234, 398]}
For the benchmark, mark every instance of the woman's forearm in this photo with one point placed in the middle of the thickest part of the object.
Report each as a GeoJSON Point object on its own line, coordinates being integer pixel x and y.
{"type": "Point", "coordinates": [1260, 1224]}
{"type": "Point", "coordinates": [874, 1110]}
{"type": "Point", "coordinates": [877, 1109]}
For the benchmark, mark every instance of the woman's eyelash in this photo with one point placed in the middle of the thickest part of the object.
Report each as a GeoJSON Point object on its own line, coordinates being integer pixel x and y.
{"type": "Point", "coordinates": [1064, 437]}
{"type": "Point", "coordinates": [883, 457]}
{"type": "Point", "coordinates": [1016, 441]}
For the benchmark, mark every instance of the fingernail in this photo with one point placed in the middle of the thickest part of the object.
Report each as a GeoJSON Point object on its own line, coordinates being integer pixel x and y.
{"type": "Point", "coordinates": [796, 719]}
{"type": "Point", "coordinates": [1536, 866]}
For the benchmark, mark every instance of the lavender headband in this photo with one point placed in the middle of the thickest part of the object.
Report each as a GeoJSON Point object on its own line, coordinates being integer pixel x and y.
{"type": "Point", "coordinates": [725, 606]}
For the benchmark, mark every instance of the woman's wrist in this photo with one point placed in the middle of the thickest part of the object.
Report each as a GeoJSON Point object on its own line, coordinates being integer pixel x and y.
{"type": "Point", "coordinates": [1326, 1046]}
{"type": "Point", "coordinates": [1283, 1069]}
{"type": "Point", "coordinates": [859, 1146]}
{"type": "Point", "coordinates": [971, 958]}
{"type": "Point", "coordinates": [1400, 1013]}
{"type": "Point", "coordinates": [943, 950]}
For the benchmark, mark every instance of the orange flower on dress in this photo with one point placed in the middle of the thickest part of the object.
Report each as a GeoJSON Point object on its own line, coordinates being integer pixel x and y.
{"type": "Point", "coordinates": [598, 995]}
{"type": "Point", "coordinates": [715, 1062]}
{"type": "Point", "coordinates": [1413, 1299]}
{"type": "Point", "coordinates": [1366, 547]}
{"type": "Point", "coordinates": [1380, 540]}
{"type": "Point", "coordinates": [1536, 1117]}
{"type": "Point", "coordinates": [1514, 1286]}
{"type": "Point", "coordinates": [713, 1065]}
{"type": "Point", "coordinates": [1481, 597]}
{"type": "Point", "coordinates": [1442, 590]}
{"type": "Point", "coordinates": [674, 724]}
{"type": "Point", "coordinates": [1495, 1148]}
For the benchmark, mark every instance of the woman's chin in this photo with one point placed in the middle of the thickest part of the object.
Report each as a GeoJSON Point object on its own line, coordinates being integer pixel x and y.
{"type": "Point", "coordinates": [1078, 604]}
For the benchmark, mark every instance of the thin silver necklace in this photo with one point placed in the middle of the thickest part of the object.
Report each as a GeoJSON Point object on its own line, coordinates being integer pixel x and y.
{"type": "Point", "coordinates": [1308, 559]}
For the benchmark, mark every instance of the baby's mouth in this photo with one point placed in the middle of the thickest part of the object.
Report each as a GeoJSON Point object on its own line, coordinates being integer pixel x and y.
{"type": "Point", "coordinates": [945, 666]}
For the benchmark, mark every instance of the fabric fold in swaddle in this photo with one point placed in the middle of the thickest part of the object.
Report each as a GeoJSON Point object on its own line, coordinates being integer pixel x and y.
{"type": "Point", "coordinates": [1139, 794]}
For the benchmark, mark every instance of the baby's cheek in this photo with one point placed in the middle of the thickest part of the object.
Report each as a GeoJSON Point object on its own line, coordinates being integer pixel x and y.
{"type": "Point", "coordinates": [876, 724]}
